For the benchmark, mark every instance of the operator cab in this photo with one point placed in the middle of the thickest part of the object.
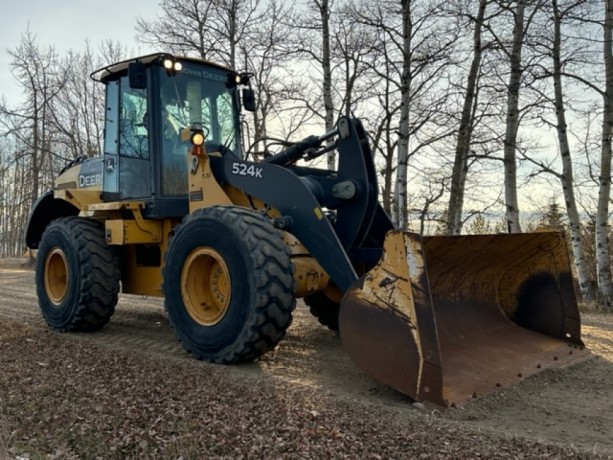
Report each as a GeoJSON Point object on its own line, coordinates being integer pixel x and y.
{"type": "Point", "coordinates": [153, 104]}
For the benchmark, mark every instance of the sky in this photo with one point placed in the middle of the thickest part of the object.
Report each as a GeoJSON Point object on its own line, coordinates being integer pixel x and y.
{"type": "Point", "coordinates": [67, 24]}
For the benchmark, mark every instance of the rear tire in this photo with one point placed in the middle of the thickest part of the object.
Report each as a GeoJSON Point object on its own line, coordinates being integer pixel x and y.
{"type": "Point", "coordinates": [228, 284]}
{"type": "Point", "coordinates": [324, 309]}
{"type": "Point", "coordinates": [77, 275]}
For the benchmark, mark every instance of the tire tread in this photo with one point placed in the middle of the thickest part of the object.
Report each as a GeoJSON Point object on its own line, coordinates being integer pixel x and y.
{"type": "Point", "coordinates": [274, 284]}
{"type": "Point", "coordinates": [99, 275]}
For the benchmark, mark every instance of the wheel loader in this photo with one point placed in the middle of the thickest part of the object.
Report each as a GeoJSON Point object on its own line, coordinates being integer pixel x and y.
{"type": "Point", "coordinates": [173, 208]}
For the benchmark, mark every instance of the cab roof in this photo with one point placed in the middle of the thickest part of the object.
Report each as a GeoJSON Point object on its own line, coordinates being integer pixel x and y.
{"type": "Point", "coordinates": [105, 73]}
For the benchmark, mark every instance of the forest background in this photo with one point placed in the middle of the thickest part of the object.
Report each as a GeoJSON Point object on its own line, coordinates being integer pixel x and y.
{"type": "Point", "coordinates": [484, 116]}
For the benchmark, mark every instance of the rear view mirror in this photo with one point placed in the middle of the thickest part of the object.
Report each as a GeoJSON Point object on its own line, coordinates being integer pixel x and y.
{"type": "Point", "coordinates": [248, 97]}
{"type": "Point", "coordinates": [137, 75]}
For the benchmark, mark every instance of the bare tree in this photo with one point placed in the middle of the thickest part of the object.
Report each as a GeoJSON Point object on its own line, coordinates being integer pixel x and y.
{"type": "Point", "coordinates": [523, 15]}
{"type": "Point", "coordinates": [212, 29]}
{"type": "Point", "coordinates": [567, 177]}
{"type": "Point", "coordinates": [182, 27]}
{"type": "Point", "coordinates": [467, 123]}
{"type": "Point", "coordinates": [232, 24]}
{"type": "Point", "coordinates": [414, 44]}
{"type": "Point", "coordinates": [406, 80]}
{"type": "Point", "coordinates": [15, 198]}
{"type": "Point", "coordinates": [603, 263]}
{"type": "Point", "coordinates": [510, 139]}
{"type": "Point", "coordinates": [551, 46]}
{"type": "Point", "coordinates": [323, 7]}
{"type": "Point", "coordinates": [28, 161]}
{"type": "Point", "coordinates": [41, 76]}
{"type": "Point", "coordinates": [78, 112]}
{"type": "Point", "coordinates": [311, 46]}
{"type": "Point", "coordinates": [264, 58]}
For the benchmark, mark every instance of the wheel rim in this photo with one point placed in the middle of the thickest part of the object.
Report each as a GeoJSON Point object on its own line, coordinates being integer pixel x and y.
{"type": "Point", "coordinates": [205, 286]}
{"type": "Point", "coordinates": [333, 293]}
{"type": "Point", "coordinates": [56, 276]}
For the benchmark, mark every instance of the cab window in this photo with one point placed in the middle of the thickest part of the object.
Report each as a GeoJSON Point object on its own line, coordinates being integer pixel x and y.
{"type": "Point", "coordinates": [133, 122]}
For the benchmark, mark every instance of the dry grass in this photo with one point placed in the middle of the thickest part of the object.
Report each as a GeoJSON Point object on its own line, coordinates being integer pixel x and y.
{"type": "Point", "coordinates": [591, 306]}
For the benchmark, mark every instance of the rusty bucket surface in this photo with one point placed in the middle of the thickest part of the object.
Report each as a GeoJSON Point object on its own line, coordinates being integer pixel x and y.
{"type": "Point", "coordinates": [446, 319]}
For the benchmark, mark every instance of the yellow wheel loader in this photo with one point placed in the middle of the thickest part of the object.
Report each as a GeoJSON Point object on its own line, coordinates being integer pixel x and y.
{"type": "Point", "coordinates": [174, 209]}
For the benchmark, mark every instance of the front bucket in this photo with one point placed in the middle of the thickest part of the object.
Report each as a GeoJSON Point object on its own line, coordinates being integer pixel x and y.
{"type": "Point", "coordinates": [448, 318]}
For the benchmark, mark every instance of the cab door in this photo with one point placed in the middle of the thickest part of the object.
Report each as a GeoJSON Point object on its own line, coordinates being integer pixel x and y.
{"type": "Point", "coordinates": [127, 152]}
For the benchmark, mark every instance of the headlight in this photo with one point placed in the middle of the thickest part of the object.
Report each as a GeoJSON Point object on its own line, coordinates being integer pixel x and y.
{"type": "Point", "coordinates": [171, 65]}
{"type": "Point", "coordinates": [197, 139]}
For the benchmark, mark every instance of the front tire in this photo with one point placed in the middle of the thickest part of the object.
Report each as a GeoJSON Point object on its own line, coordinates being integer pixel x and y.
{"type": "Point", "coordinates": [77, 275]}
{"type": "Point", "coordinates": [228, 284]}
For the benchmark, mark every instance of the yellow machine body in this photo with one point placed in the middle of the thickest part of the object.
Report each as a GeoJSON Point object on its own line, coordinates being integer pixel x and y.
{"type": "Point", "coordinates": [145, 241]}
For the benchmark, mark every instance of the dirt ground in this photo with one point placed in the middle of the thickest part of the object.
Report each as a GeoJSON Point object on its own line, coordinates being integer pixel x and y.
{"type": "Point", "coordinates": [570, 407]}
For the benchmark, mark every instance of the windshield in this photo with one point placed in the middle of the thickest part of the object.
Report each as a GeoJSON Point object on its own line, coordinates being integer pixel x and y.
{"type": "Point", "coordinates": [196, 97]}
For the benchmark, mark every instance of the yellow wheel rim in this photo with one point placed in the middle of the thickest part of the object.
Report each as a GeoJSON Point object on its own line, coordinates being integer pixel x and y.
{"type": "Point", "coordinates": [333, 293]}
{"type": "Point", "coordinates": [56, 276]}
{"type": "Point", "coordinates": [205, 286]}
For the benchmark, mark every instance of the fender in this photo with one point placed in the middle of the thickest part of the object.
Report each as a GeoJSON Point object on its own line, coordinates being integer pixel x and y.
{"type": "Point", "coordinates": [45, 209]}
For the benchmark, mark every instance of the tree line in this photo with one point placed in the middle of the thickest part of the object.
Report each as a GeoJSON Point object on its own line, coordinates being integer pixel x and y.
{"type": "Point", "coordinates": [468, 105]}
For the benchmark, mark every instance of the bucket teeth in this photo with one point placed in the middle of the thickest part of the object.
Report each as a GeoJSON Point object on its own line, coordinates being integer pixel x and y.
{"type": "Point", "coordinates": [447, 319]}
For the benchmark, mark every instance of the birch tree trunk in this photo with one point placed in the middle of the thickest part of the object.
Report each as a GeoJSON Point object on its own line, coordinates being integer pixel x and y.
{"type": "Point", "coordinates": [510, 138]}
{"type": "Point", "coordinates": [460, 165]}
{"type": "Point", "coordinates": [324, 9]}
{"type": "Point", "coordinates": [605, 286]}
{"type": "Point", "coordinates": [400, 194]}
{"type": "Point", "coordinates": [566, 178]}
